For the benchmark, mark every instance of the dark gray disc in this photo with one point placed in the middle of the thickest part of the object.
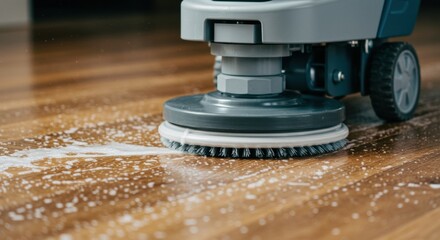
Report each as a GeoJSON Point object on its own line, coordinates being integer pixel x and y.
{"type": "Point", "coordinates": [286, 112]}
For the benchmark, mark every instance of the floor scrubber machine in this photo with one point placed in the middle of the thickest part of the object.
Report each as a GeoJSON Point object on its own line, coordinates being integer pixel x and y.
{"type": "Point", "coordinates": [282, 65]}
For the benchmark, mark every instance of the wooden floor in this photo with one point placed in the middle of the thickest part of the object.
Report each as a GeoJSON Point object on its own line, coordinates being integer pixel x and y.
{"type": "Point", "coordinates": [80, 156]}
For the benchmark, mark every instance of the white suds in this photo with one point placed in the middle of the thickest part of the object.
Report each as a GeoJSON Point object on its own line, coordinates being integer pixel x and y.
{"type": "Point", "coordinates": [15, 217]}
{"type": "Point", "coordinates": [413, 185]}
{"type": "Point", "coordinates": [25, 158]}
{"type": "Point", "coordinates": [65, 237]}
{"type": "Point", "coordinates": [70, 131]}
{"type": "Point", "coordinates": [250, 196]}
{"type": "Point", "coordinates": [125, 218]}
{"type": "Point", "coordinates": [259, 183]}
{"type": "Point", "coordinates": [434, 186]}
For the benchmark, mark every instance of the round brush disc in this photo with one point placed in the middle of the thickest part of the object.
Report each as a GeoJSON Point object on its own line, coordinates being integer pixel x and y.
{"type": "Point", "coordinates": [254, 145]}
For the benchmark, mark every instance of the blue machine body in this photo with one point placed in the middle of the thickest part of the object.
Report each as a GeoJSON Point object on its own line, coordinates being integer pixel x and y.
{"type": "Point", "coordinates": [398, 18]}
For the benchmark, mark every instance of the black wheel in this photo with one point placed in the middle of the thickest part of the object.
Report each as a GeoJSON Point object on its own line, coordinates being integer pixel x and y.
{"type": "Point", "coordinates": [394, 81]}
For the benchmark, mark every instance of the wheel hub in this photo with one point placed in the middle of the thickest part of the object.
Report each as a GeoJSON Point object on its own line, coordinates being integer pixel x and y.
{"type": "Point", "coordinates": [405, 87]}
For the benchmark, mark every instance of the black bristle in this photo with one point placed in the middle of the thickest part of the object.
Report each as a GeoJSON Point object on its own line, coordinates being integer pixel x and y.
{"type": "Point", "coordinates": [224, 152]}
{"type": "Point", "coordinates": [329, 147]}
{"type": "Point", "coordinates": [213, 152]}
{"type": "Point", "coordinates": [312, 150]}
{"type": "Point", "coordinates": [202, 151]}
{"type": "Point", "coordinates": [320, 149]}
{"type": "Point", "coordinates": [302, 151]}
{"type": "Point", "coordinates": [282, 153]}
{"type": "Point", "coordinates": [235, 153]}
{"type": "Point", "coordinates": [270, 153]}
{"type": "Point", "coordinates": [256, 152]}
{"type": "Point", "coordinates": [246, 153]}
{"type": "Point", "coordinates": [190, 148]}
{"type": "Point", "coordinates": [292, 151]}
{"type": "Point", "coordinates": [259, 153]}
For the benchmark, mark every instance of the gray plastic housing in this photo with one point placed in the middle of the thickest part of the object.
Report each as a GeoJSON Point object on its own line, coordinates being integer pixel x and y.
{"type": "Point", "coordinates": [281, 21]}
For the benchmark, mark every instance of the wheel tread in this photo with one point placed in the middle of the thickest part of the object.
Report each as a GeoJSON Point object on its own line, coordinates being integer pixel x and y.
{"type": "Point", "coordinates": [381, 81]}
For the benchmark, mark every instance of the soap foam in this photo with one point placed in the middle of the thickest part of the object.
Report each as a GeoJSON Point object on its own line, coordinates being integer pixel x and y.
{"type": "Point", "coordinates": [25, 158]}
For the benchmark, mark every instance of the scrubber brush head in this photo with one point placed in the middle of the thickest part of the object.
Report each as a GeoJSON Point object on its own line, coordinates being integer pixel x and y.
{"type": "Point", "coordinates": [275, 126]}
{"type": "Point", "coordinates": [254, 145]}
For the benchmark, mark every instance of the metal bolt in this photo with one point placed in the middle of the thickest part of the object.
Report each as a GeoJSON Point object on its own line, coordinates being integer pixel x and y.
{"type": "Point", "coordinates": [353, 43]}
{"type": "Point", "coordinates": [338, 76]}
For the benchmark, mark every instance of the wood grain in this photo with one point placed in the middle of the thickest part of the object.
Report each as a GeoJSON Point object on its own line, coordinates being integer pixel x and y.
{"type": "Point", "coordinates": [80, 103]}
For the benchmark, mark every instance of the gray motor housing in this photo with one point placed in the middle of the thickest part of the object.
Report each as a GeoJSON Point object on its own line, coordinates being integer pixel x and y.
{"type": "Point", "coordinates": [296, 21]}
